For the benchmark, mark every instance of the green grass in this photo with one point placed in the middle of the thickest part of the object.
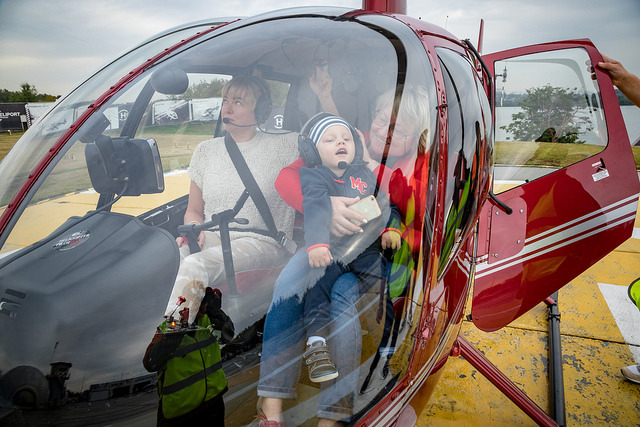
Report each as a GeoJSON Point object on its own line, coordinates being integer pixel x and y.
{"type": "Point", "coordinates": [548, 154]}
{"type": "Point", "coordinates": [7, 141]}
{"type": "Point", "coordinates": [71, 175]}
{"type": "Point", "coordinates": [177, 153]}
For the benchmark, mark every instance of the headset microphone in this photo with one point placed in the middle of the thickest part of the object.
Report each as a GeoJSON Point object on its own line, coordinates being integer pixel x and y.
{"type": "Point", "coordinates": [228, 122]}
{"type": "Point", "coordinates": [343, 165]}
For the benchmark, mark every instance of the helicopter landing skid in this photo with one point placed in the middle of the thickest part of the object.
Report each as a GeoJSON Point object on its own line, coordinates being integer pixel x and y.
{"type": "Point", "coordinates": [504, 384]}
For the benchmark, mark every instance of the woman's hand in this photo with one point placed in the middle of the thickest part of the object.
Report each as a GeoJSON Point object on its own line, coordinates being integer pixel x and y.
{"type": "Point", "coordinates": [341, 216]}
{"type": "Point", "coordinates": [182, 240]}
{"type": "Point", "coordinates": [320, 256]}
{"type": "Point", "coordinates": [194, 214]}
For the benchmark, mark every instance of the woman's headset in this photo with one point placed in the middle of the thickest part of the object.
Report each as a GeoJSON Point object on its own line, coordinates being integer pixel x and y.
{"type": "Point", "coordinates": [308, 150]}
{"type": "Point", "coordinates": [263, 98]}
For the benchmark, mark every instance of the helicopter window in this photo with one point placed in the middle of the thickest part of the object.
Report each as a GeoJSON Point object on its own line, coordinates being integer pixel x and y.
{"type": "Point", "coordinates": [121, 251]}
{"type": "Point", "coordinates": [42, 136]}
{"type": "Point", "coordinates": [547, 115]}
{"type": "Point", "coordinates": [465, 112]}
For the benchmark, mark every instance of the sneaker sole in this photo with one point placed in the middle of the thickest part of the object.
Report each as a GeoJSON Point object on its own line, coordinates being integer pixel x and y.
{"type": "Point", "coordinates": [626, 377]}
{"type": "Point", "coordinates": [633, 380]}
{"type": "Point", "coordinates": [324, 378]}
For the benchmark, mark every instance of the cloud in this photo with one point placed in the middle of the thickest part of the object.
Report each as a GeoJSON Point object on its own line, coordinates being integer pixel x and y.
{"type": "Point", "coordinates": [54, 45]}
{"type": "Point", "coordinates": [66, 41]}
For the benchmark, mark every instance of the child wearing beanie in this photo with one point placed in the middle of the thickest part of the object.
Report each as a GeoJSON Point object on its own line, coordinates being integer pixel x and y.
{"type": "Point", "coordinates": [342, 172]}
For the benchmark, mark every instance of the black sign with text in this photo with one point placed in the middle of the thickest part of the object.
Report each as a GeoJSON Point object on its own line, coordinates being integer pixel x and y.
{"type": "Point", "coordinates": [10, 116]}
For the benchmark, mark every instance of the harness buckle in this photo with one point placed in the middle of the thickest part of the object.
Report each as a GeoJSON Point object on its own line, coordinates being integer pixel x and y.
{"type": "Point", "coordinates": [289, 245]}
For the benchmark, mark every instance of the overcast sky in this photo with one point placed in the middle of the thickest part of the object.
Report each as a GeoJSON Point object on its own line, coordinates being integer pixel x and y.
{"type": "Point", "coordinates": [54, 45]}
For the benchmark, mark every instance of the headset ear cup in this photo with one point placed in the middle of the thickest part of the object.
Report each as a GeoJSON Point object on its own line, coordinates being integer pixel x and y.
{"type": "Point", "coordinates": [258, 111]}
{"type": "Point", "coordinates": [263, 104]}
{"type": "Point", "coordinates": [263, 107]}
{"type": "Point", "coordinates": [308, 152]}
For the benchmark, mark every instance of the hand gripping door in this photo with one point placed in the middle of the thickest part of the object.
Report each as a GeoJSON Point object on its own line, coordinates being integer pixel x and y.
{"type": "Point", "coordinates": [564, 165]}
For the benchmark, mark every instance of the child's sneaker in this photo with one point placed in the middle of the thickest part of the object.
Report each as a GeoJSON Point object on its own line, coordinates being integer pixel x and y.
{"type": "Point", "coordinates": [319, 363]}
{"type": "Point", "coordinates": [632, 373]}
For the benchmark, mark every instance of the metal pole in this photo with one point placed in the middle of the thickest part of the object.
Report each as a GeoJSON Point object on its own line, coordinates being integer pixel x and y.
{"type": "Point", "coordinates": [504, 384]}
{"type": "Point", "coordinates": [556, 377]}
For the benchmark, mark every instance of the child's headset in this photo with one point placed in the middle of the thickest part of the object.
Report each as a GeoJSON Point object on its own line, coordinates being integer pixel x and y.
{"type": "Point", "coordinates": [308, 150]}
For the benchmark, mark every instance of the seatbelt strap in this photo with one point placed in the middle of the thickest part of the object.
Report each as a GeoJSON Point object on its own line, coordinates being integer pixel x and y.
{"type": "Point", "coordinates": [256, 194]}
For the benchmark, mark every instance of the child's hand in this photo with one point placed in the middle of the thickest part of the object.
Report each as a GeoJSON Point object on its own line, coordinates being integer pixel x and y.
{"type": "Point", "coordinates": [320, 256]}
{"type": "Point", "coordinates": [391, 240]}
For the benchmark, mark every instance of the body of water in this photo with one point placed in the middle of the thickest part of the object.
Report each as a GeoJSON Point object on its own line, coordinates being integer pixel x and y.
{"type": "Point", "coordinates": [630, 113]}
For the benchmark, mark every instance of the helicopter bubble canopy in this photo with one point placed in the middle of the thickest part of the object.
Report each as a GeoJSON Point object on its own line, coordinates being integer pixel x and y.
{"type": "Point", "coordinates": [98, 189]}
{"type": "Point", "coordinates": [96, 198]}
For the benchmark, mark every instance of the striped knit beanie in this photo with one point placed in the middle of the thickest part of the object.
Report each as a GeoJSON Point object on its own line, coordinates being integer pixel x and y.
{"type": "Point", "coordinates": [318, 129]}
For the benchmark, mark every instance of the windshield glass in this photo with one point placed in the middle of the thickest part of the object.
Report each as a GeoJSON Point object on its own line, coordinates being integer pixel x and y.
{"type": "Point", "coordinates": [548, 115]}
{"type": "Point", "coordinates": [35, 143]}
{"type": "Point", "coordinates": [179, 219]}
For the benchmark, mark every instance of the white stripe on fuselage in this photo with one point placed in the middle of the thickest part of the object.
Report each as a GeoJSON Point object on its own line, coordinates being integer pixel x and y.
{"type": "Point", "coordinates": [567, 233]}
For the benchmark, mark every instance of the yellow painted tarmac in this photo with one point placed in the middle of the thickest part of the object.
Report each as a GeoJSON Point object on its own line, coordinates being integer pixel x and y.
{"type": "Point", "coordinates": [593, 347]}
{"type": "Point", "coordinates": [593, 351]}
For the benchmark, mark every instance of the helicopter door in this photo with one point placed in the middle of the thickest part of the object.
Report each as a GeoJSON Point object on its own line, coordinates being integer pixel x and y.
{"type": "Point", "coordinates": [564, 172]}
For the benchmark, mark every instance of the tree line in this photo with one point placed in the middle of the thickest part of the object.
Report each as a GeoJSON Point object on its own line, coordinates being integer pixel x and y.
{"type": "Point", "coordinates": [550, 114]}
{"type": "Point", "coordinates": [27, 93]}
{"type": "Point", "coordinates": [514, 99]}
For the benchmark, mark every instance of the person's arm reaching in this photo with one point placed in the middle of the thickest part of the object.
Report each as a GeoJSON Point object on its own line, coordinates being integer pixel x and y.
{"type": "Point", "coordinates": [627, 82]}
{"type": "Point", "coordinates": [321, 84]}
{"type": "Point", "coordinates": [195, 213]}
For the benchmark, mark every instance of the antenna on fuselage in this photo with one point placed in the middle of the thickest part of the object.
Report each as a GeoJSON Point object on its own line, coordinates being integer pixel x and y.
{"type": "Point", "coordinates": [504, 80]}
{"type": "Point", "coordinates": [480, 36]}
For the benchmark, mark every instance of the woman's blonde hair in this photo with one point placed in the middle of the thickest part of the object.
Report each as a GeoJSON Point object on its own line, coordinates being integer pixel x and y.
{"type": "Point", "coordinates": [245, 87]}
{"type": "Point", "coordinates": [413, 108]}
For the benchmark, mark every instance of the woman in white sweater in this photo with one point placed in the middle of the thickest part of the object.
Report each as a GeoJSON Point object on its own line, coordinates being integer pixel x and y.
{"type": "Point", "coordinates": [216, 185]}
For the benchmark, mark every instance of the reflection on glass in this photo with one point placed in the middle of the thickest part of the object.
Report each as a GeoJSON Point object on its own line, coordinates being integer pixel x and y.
{"type": "Point", "coordinates": [467, 131]}
{"type": "Point", "coordinates": [92, 260]}
{"type": "Point", "coordinates": [30, 149]}
{"type": "Point", "coordinates": [547, 114]}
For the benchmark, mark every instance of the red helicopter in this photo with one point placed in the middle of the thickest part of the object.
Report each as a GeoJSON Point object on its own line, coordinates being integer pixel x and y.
{"type": "Point", "coordinates": [94, 193]}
